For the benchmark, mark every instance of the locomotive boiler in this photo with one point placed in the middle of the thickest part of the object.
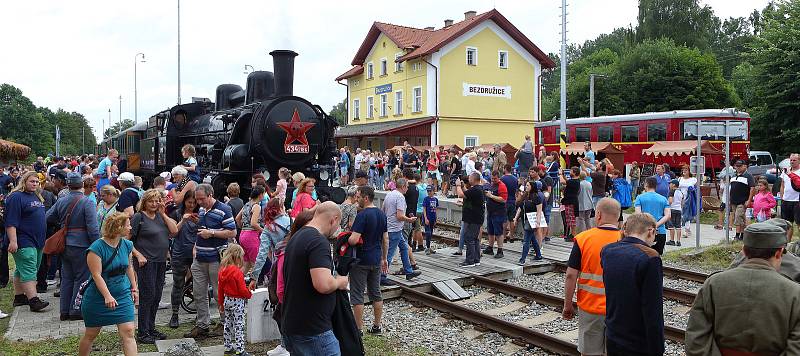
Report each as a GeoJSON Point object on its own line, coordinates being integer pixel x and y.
{"type": "Point", "coordinates": [258, 129]}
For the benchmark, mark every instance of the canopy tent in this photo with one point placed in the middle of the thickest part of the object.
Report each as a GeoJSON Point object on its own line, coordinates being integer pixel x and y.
{"type": "Point", "coordinates": [601, 149]}
{"type": "Point", "coordinates": [678, 148]}
{"type": "Point", "coordinates": [10, 151]}
{"type": "Point", "coordinates": [505, 147]}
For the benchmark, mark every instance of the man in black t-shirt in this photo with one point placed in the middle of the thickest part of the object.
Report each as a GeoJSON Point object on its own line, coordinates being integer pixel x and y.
{"type": "Point", "coordinates": [472, 215]}
{"type": "Point", "coordinates": [129, 196]}
{"type": "Point", "coordinates": [547, 205]}
{"type": "Point", "coordinates": [410, 229]}
{"type": "Point", "coordinates": [371, 236]}
{"type": "Point", "coordinates": [310, 285]}
{"type": "Point", "coordinates": [743, 188]}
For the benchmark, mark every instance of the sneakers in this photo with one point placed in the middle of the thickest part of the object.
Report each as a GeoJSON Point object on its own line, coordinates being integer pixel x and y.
{"type": "Point", "coordinates": [174, 322]}
{"type": "Point", "coordinates": [164, 305]}
{"type": "Point", "coordinates": [20, 300]}
{"type": "Point", "coordinates": [677, 243]}
{"type": "Point", "coordinates": [428, 251]}
{"type": "Point", "coordinates": [521, 262]}
{"type": "Point", "coordinates": [3, 315]}
{"type": "Point", "coordinates": [488, 251]}
{"type": "Point", "coordinates": [41, 289]}
{"type": "Point", "coordinates": [51, 282]}
{"type": "Point", "coordinates": [499, 253]}
{"type": "Point", "coordinates": [670, 243]}
{"type": "Point", "coordinates": [278, 351]}
{"type": "Point", "coordinates": [538, 258]}
{"type": "Point", "coordinates": [158, 335]}
{"type": "Point", "coordinates": [375, 330]}
{"type": "Point", "coordinates": [37, 304]}
{"type": "Point", "coordinates": [413, 275]}
{"type": "Point", "coordinates": [414, 267]}
{"type": "Point", "coordinates": [457, 253]}
{"type": "Point", "coordinates": [466, 264]}
{"type": "Point", "coordinates": [547, 238]}
{"type": "Point", "coordinates": [387, 282]}
{"type": "Point", "coordinates": [146, 339]}
{"type": "Point", "coordinates": [197, 333]}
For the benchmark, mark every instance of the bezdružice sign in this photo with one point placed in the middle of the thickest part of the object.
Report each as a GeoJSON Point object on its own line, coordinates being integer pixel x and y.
{"type": "Point", "coordinates": [487, 90]}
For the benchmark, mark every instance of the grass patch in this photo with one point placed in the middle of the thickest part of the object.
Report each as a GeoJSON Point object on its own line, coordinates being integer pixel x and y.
{"type": "Point", "coordinates": [386, 346]}
{"type": "Point", "coordinates": [715, 257]}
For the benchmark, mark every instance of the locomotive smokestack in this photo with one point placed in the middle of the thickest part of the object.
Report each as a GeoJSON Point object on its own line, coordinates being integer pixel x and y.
{"type": "Point", "coordinates": [283, 67]}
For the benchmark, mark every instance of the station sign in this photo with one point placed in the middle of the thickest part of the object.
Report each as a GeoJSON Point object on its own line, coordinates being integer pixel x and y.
{"type": "Point", "coordinates": [386, 88]}
{"type": "Point", "coordinates": [487, 90]}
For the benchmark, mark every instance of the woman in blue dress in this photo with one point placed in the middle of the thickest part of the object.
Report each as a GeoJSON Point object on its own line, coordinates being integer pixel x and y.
{"type": "Point", "coordinates": [111, 293]}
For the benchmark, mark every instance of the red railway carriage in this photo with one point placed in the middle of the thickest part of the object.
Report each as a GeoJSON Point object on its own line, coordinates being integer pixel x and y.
{"type": "Point", "coordinates": [635, 132]}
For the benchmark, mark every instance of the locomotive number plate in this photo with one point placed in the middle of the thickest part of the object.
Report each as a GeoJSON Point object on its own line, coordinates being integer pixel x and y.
{"type": "Point", "coordinates": [295, 148]}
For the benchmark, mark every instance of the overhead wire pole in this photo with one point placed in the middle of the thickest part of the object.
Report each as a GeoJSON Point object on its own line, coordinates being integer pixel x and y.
{"type": "Point", "coordinates": [563, 126]}
{"type": "Point", "coordinates": [179, 52]}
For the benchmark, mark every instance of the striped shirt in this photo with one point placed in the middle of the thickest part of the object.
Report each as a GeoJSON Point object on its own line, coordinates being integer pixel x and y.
{"type": "Point", "coordinates": [218, 217]}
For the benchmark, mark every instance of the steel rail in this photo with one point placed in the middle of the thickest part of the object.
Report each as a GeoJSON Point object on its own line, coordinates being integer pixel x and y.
{"type": "Point", "coordinates": [686, 274]}
{"type": "Point", "coordinates": [529, 336]}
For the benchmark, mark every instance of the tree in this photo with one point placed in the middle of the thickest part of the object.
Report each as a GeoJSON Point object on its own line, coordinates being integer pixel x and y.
{"type": "Point", "coordinates": [117, 127]}
{"type": "Point", "coordinates": [339, 112]}
{"type": "Point", "coordinates": [22, 123]}
{"type": "Point", "coordinates": [684, 21]}
{"type": "Point", "coordinates": [775, 58]}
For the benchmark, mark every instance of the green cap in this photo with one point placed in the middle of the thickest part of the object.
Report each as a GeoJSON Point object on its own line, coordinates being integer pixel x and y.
{"type": "Point", "coordinates": [764, 235]}
{"type": "Point", "coordinates": [783, 224]}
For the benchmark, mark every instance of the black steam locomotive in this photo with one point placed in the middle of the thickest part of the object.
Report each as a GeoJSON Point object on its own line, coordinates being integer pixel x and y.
{"type": "Point", "coordinates": [256, 130]}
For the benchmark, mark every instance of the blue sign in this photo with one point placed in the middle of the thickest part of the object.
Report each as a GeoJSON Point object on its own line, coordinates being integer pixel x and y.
{"type": "Point", "coordinates": [386, 88]}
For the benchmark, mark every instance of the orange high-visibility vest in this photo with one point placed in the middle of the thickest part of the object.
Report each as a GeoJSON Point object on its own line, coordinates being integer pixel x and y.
{"type": "Point", "coordinates": [591, 290]}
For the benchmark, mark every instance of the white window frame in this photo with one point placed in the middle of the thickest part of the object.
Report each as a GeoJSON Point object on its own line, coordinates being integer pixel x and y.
{"type": "Point", "coordinates": [475, 137]}
{"type": "Point", "coordinates": [398, 66]}
{"type": "Point", "coordinates": [398, 102]}
{"type": "Point", "coordinates": [474, 57]}
{"type": "Point", "coordinates": [370, 106]}
{"type": "Point", "coordinates": [384, 67]}
{"type": "Point", "coordinates": [500, 56]}
{"type": "Point", "coordinates": [417, 107]}
{"type": "Point", "coordinates": [370, 70]}
{"type": "Point", "coordinates": [356, 109]}
{"type": "Point", "coordinates": [384, 104]}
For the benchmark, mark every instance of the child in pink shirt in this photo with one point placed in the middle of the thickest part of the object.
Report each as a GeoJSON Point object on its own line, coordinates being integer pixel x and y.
{"type": "Point", "coordinates": [763, 201]}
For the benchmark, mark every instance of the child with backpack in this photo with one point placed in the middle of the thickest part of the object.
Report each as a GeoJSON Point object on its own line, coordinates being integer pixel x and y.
{"type": "Point", "coordinates": [232, 296]}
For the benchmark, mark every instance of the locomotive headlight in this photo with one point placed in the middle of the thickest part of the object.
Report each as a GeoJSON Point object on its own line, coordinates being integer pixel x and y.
{"type": "Point", "coordinates": [324, 175]}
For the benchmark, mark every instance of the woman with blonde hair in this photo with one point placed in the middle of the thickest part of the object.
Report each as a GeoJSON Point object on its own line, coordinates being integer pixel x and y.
{"type": "Point", "coordinates": [151, 234]}
{"type": "Point", "coordinates": [112, 292]}
{"type": "Point", "coordinates": [107, 205]}
{"type": "Point", "coordinates": [304, 200]}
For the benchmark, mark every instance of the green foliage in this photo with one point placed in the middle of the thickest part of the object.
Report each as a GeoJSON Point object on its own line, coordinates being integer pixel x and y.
{"type": "Point", "coordinates": [22, 122]}
{"type": "Point", "coordinates": [118, 127]}
{"type": "Point", "coordinates": [684, 21]}
{"type": "Point", "coordinates": [339, 112]}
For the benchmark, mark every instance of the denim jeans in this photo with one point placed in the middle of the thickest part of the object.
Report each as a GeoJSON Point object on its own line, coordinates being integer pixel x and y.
{"type": "Point", "coordinates": [74, 271]}
{"type": "Point", "coordinates": [471, 232]}
{"type": "Point", "coordinates": [396, 240]}
{"type": "Point", "coordinates": [461, 237]}
{"type": "Point", "coordinates": [530, 237]}
{"type": "Point", "coordinates": [324, 344]}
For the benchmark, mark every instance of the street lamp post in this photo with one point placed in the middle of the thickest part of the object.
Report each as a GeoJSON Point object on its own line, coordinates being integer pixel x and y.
{"type": "Point", "coordinates": [119, 129]}
{"type": "Point", "coordinates": [251, 69]}
{"type": "Point", "coordinates": [135, 89]}
{"type": "Point", "coordinates": [591, 92]}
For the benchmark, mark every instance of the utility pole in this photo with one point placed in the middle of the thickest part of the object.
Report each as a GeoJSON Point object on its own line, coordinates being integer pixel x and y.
{"type": "Point", "coordinates": [109, 122]}
{"type": "Point", "coordinates": [83, 139]}
{"type": "Point", "coordinates": [698, 194]}
{"type": "Point", "coordinates": [179, 52]}
{"type": "Point", "coordinates": [563, 125]}
{"type": "Point", "coordinates": [591, 92]}
{"type": "Point", "coordinates": [119, 129]}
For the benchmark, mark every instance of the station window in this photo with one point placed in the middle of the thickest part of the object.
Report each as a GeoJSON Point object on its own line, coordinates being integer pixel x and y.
{"type": "Point", "coordinates": [630, 133]}
{"type": "Point", "coordinates": [398, 66]}
{"type": "Point", "coordinates": [384, 104]}
{"type": "Point", "coordinates": [370, 106]}
{"type": "Point", "coordinates": [417, 100]}
{"type": "Point", "coordinates": [502, 59]}
{"type": "Point", "coordinates": [656, 132]}
{"type": "Point", "coordinates": [472, 56]}
{"type": "Point", "coordinates": [470, 141]}
{"type": "Point", "coordinates": [398, 102]}
{"type": "Point", "coordinates": [583, 134]}
{"type": "Point", "coordinates": [384, 68]}
{"type": "Point", "coordinates": [370, 70]}
{"type": "Point", "coordinates": [356, 108]}
{"type": "Point", "coordinates": [605, 134]}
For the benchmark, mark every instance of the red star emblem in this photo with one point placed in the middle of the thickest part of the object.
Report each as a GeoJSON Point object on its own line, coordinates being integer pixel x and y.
{"type": "Point", "coordinates": [296, 129]}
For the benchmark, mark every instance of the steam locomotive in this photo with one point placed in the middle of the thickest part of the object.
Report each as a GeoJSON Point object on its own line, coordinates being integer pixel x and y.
{"type": "Point", "coordinates": [256, 130]}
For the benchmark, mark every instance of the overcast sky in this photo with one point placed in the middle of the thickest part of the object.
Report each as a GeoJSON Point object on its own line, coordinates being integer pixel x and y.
{"type": "Point", "coordinates": [79, 55]}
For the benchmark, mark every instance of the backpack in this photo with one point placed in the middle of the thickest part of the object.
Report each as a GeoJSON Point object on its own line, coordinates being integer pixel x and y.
{"type": "Point", "coordinates": [690, 201]}
{"type": "Point", "coordinates": [345, 256]}
{"type": "Point", "coordinates": [795, 181]}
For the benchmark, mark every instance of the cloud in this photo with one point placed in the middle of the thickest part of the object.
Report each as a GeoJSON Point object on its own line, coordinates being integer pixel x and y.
{"type": "Point", "coordinates": [79, 55]}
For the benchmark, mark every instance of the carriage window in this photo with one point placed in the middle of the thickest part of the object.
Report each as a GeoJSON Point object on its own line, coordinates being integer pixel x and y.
{"type": "Point", "coordinates": [605, 134]}
{"type": "Point", "coordinates": [582, 134]}
{"type": "Point", "coordinates": [630, 133]}
{"type": "Point", "coordinates": [656, 132]}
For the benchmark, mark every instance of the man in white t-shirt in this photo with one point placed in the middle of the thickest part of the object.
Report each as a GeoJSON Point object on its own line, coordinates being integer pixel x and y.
{"type": "Point", "coordinates": [790, 198]}
{"type": "Point", "coordinates": [358, 158]}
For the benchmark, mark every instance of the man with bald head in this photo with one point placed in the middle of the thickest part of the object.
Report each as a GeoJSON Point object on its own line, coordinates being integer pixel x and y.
{"type": "Point", "coordinates": [310, 285]}
{"type": "Point", "coordinates": [585, 272]}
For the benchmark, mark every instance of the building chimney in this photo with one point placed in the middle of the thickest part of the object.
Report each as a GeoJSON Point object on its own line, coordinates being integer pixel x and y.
{"type": "Point", "coordinates": [448, 23]}
{"type": "Point", "coordinates": [429, 28]}
{"type": "Point", "coordinates": [469, 14]}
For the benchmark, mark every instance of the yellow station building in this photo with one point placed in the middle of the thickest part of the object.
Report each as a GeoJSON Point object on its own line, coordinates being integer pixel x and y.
{"type": "Point", "coordinates": [468, 83]}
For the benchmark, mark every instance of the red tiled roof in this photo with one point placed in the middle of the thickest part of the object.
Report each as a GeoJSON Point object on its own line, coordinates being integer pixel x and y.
{"type": "Point", "coordinates": [421, 42]}
{"type": "Point", "coordinates": [356, 70]}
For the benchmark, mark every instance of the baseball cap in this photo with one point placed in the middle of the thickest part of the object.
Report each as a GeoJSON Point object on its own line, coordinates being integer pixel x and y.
{"type": "Point", "coordinates": [126, 177]}
{"type": "Point", "coordinates": [764, 235]}
{"type": "Point", "coordinates": [739, 162]}
{"type": "Point", "coordinates": [60, 175]}
{"type": "Point", "coordinates": [675, 181]}
{"type": "Point", "coordinates": [74, 179]}
{"type": "Point", "coordinates": [429, 188]}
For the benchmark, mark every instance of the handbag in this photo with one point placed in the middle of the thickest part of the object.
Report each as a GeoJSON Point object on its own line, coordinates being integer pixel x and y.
{"type": "Point", "coordinates": [82, 289]}
{"type": "Point", "coordinates": [56, 243]}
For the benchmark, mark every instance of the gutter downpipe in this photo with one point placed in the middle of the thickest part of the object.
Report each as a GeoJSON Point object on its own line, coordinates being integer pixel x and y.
{"type": "Point", "coordinates": [435, 103]}
{"type": "Point", "coordinates": [346, 104]}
